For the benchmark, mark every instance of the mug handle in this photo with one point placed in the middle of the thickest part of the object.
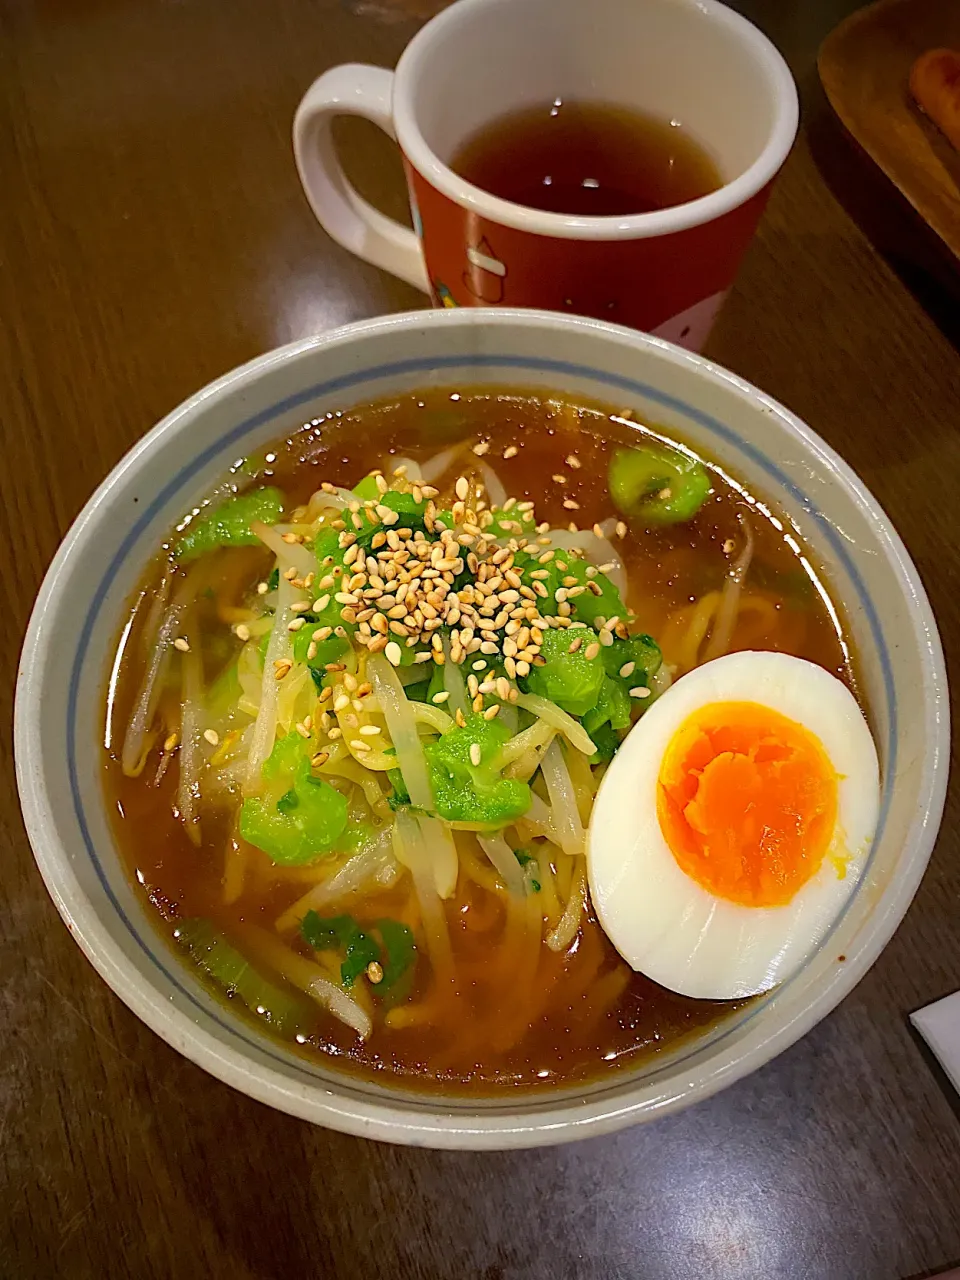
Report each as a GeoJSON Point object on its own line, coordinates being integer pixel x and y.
{"type": "Point", "coordinates": [352, 90]}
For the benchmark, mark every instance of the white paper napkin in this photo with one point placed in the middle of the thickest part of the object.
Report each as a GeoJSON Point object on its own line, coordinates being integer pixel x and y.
{"type": "Point", "coordinates": [939, 1024]}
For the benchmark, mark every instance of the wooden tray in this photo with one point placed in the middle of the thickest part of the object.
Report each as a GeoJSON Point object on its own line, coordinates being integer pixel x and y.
{"type": "Point", "coordinates": [864, 65]}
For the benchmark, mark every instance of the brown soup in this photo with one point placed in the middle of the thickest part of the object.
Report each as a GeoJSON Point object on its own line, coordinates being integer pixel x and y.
{"type": "Point", "coordinates": [515, 1013]}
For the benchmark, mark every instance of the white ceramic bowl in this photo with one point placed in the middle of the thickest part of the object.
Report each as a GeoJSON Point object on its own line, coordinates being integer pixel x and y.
{"type": "Point", "coordinates": [63, 676]}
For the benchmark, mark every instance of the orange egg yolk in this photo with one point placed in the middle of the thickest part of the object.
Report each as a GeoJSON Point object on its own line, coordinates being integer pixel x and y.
{"type": "Point", "coordinates": [747, 802]}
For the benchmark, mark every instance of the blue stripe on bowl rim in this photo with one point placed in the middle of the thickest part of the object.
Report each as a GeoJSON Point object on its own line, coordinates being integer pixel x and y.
{"type": "Point", "coordinates": [429, 365]}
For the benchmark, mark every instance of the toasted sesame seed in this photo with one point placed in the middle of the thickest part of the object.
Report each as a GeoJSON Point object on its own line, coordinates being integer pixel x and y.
{"type": "Point", "coordinates": [211, 736]}
{"type": "Point", "coordinates": [350, 682]}
{"type": "Point", "coordinates": [242, 631]}
{"type": "Point", "coordinates": [370, 730]}
{"type": "Point", "coordinates": [341, 703]}
{"type": "Point", "coordinates": [573, 461]}
{"type": "Point", "coordinates": [181, 644]}
{"type": "Point", "coordinates": [639, 692]}
{"type": "Point", "coordinates": [627, 670]}
{"type": "Point", "coordinates": [358, 744]}
{"type": "Point", "coordinates": [334, 733]}
{"type": "Point", "coordinates": [491, 712]}
{"type": "Point", "coordinates": [374, 972]}
{"type": "Point", "coordinates": [462, 488]}
{"type": "Point", "coordinates": [320, 759]}
{"type": "Point", "coordinates": [571, 504]}
{"type": "Point", "coordinates": [303, 730]}
{"type": "Point", "coordinates": [262, 588]}
{"type": "Point", "coordinates": [481, 448]}
{"type": "Point", "coordinates": [440, 697]}
{"type": "Point", "coordinates": [511, 451]}
{"type": "Point", "coordinates": [290, 573]}
{"type": "Point", "coordinates": [475, 754]}
{"type": "Point", "coordinates": [591, 651]}
{"type": "Point", "coordinates": [621, 529]}
{"type": "Point", "coordinates": [171, 741]}
{"type": "Point", "coordinates": [559, 478]}
{"type": "Point", "coordinates": [393, 654]}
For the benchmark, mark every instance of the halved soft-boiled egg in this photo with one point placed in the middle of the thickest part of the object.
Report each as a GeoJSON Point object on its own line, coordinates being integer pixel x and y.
{"type": "Point", "coordinates": [733, 825]}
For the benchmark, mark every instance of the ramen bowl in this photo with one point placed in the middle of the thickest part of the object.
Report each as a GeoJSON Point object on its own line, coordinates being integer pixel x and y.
{"type": "Point", "coordinates": [64, 678]}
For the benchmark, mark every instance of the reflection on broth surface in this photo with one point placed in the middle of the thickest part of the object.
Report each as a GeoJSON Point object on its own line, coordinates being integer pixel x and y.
{"type": "Point", "coordinates": [485, 969]}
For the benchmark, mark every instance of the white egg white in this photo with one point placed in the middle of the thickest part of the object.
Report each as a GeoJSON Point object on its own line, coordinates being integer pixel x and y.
{"type": "Point", "coordinates": [663, 922]}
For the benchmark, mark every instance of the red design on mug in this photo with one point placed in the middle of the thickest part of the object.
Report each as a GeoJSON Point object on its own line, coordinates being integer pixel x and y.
{"type": "Point", "coordinates": [672, 285]}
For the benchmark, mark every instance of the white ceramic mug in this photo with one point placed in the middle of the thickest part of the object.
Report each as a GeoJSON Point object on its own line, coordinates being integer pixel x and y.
{"type": "Point", "coordinates": [694, 61]}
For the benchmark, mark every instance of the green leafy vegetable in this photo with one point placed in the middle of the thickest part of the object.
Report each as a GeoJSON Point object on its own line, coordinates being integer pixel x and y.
{"type": "Point", "coordinates": [298, 817]}
{"type": "Point", "coordinates": [387, 943]}
{"type": "Point", "coordinates": [466, 785]}
{"type": "Point", "coordinates": [606, 741]}
{"type": "Point", "coordinates": [222, 962]}
{"type": "Point", "coordinates": [367, 490]}
{"type": "Point", "coordinates": [400, 796]}
{"type": "Point", "coordinates": [642, 651]}
{"type": "Point", "coordinates": [571, 680]}
{"type": "Point", "coordinates": [510, 524]}
{"type": "Point", "coordinates": [329, 650]}
{"type": "Point", "coordinates": [399, 959]}
{"type": "Point", "coordinates": [657, 484]}
{"type": "Point", "coordinates": [613, 707]}
{"type": "Point", "coordinates": [326, 547]}
{"type": "Point", "coordinates": [331, 933]}
{"type": "Point", "coordinates": [407, 508]}
{"type": "Point", "coordinates": [601, 598]}
{"type": "Point", "coordinates": [228, 524]}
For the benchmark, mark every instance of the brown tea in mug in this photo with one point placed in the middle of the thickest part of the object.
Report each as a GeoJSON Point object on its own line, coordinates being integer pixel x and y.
{"type": "Point", "coordinates": [588, 159]}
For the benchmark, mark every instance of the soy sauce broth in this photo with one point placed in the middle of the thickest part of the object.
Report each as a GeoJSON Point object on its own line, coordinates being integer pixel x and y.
{"type": "Point", "coordinates": [589, 1016]}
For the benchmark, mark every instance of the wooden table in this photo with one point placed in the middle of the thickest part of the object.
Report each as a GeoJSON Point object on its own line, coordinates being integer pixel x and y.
{"type": "Point", "coordinates": [153, 235]}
